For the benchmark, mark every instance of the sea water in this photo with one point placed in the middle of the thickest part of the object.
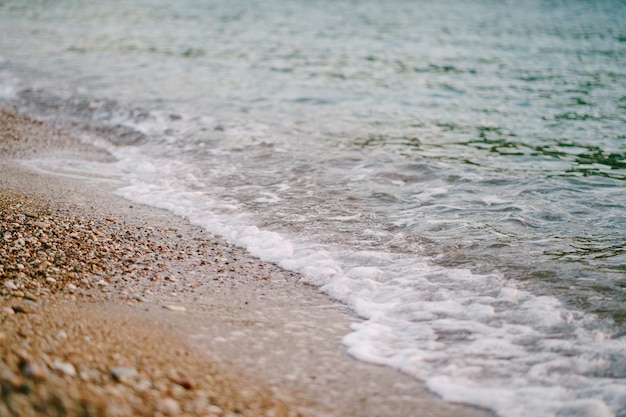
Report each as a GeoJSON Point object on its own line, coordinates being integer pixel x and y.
{"type": "Point", "coordinates": [455, 172]}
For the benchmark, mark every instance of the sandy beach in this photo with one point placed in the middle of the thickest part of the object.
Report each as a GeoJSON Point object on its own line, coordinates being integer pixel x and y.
{"type": "Point", "coordinates": [110, 308]}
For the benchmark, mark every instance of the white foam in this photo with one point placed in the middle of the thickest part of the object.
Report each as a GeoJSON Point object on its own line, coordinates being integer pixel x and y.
{"type": "Point", "coordinates": [492, 199]}
{"type": "Point", "coordinates": [430, 193]}
{"type": "Point", "coordinates": [268, 198]}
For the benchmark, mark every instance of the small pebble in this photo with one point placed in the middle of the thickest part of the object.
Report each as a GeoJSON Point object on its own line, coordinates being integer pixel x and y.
{"type": "Point", "coordinates": [123, 373]}
{"type": "Point", "coordinates": [8, 311]}
{"type": "Point", "coordinates": [65, 368]}
{"type": "Point", "coordinates": [32, 369]}
{"type": "Point", "coordinates": [11, 380]}
{"type": "Point", "coordinates": [168, 406]}
{"type": "Point", "coordinates": [51, 280]}
{"type": "Point", "coordinates": [214, 409]}
{"type": "Point", "coordinates": [184, 382]}
{"type": "Point", "coordinates": [179, 309]}
{"type": "Point", "coordinates": [19, 309]}
{"type": "Point", "coordinates": [102, 283]}
{"type": "Point", "coordinates": [19, 294]}
{"type": "Point", "coordinates": [10, 285]}
{"type": "Point", "coordinates": [137, 297]}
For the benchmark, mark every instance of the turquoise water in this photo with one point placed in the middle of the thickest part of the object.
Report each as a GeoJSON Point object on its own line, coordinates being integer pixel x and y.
{"type": "Point", "coordinates": [397, 153]}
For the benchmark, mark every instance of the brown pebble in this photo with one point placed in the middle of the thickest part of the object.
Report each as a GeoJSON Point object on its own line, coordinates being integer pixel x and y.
{"type": "Point", "coordinates": [168, 406]}
{"type": "Point", "coordinates": [184, 382]}
{"type": "Point", "coordinates": [24, 332]}
{"type": "Point", "coordinates": [8, 311]}
{"type": "Point", "coordinates": [19, 309]}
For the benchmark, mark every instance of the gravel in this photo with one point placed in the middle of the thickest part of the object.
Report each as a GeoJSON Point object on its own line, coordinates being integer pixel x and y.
{"type": "Point", "coordinates": [64, 353]}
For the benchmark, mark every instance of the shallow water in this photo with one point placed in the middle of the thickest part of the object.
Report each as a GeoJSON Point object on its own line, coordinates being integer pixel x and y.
{"type": "Point", "coordinates": [455, 173]}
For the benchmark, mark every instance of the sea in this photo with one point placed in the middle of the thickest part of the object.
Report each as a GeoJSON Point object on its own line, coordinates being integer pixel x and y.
{"type": "Point", "coordinates": [454, 171]}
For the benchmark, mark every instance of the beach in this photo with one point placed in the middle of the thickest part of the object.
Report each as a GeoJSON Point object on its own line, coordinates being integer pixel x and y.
{"type": "Point", "coordinates": [114, 308]}
{"type": "Point", "coordinates": [346, 208]}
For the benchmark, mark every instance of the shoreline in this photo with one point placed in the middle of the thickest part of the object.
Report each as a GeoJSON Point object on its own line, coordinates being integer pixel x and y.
{"type": "Point", "coordinates": [155, 278]}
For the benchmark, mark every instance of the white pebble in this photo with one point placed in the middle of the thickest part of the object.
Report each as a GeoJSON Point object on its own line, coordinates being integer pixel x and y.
{"type": "Point", "coordinates": [51, 280]}
{"type": "Point", "coordinates": [10, 285]}
{"type": "Point", "coordinates": [175, 308]}
{"type": "Point", "coordinates": [102, 283]}
{"type": "Point", "coordinates": [123, 373]}
{"type": "Point", "coordinates": [215, 409]}
{"type": "Point", "coordinates": [137, 297]}
{"type": "Point", "coordinates": [64, 367]}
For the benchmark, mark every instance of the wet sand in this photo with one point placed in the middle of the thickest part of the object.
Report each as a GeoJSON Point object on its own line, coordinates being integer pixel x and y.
{"type": "Point", "coordinates": [113, 308]}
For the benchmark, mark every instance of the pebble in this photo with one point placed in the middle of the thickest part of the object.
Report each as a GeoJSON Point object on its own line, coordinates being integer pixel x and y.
{"type": "Point", "coordinates": [184, 382]}
{"type": "Point", "coordinates": [168, 406]}
{"type": "Point", "coordinates": [65, 368]}
{"type": "Point", "coordinates": [214, 409]}
{"type": "Point", "coordinates": [32, 369]}
{"type": "Point", "coordinates": [10, 285]}
{"type": "Point", "coordinates": [102, 283]}
{"type": "Point", "coordinates": [8, 311]}
{"type": "Point", "coordinates": [123, 373]}
{"type": "Point", "coordinates": [179, 309]}
{"type": "Point", "coordinates": [19, 309]}
{"type": "Point", "coordinates": [137, 297]}
{"type": "Point", "coordinates": [10, 379]}
{"type": "Point", "coordinates": [51, 280]}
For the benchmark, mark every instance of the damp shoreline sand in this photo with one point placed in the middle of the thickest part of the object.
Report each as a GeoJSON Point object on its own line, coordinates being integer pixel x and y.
{"type": "Point", "coordinates": [114, 308]}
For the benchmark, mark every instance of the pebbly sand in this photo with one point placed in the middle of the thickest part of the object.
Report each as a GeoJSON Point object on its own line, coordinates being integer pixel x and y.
{"type": "Point", "coordinates": [115, 309]}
